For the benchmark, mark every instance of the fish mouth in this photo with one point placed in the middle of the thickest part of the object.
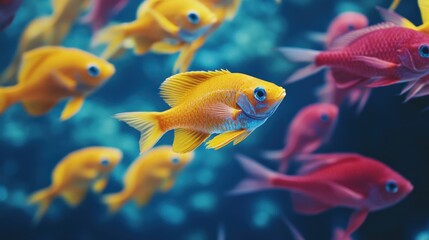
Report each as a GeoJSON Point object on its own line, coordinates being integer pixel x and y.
{"type": "Point", "coordinates": [190, 36]}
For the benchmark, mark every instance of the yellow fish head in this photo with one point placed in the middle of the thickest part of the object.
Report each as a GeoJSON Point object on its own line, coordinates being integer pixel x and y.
{"type": "Point", "coordinates": [259, 99]}
{"type": "Point", "coordinates": [194, 19]}
{"type": "Point", "coordinates": [107, 160]}
{"type": "Point", "coordinates": [180, 160]}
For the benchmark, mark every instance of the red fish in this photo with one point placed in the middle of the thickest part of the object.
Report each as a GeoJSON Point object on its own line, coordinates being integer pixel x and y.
{"type": "Point", "coordinates": [307, 132]}
{"type": "Point", "coordinates": [8, 9]}
{"type": "Point", "coordinates": [332, 180]}
{"type": "Point", "coordinates": [101, 11]}
{"type": "Point", "coordinates": [380, 55]}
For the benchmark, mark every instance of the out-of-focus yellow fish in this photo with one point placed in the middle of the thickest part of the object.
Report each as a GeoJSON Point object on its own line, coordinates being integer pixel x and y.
{"type": "Point", "coordinates": [224, 10]}
{"type": "Point", "coordinates": [50, 74]}
{"type": "Point", "coordinates": [78, 171]}
{"type": "Point", "coordinates": [44, 31]}
{"type": "Point", "coordinates": [205, 103]}
{"type": "Point", "coordinates": [391, 16]}
{"type": "Point", "coordinates": [154, 171]}
{"type": "Point", "coordinates": [163, 26]}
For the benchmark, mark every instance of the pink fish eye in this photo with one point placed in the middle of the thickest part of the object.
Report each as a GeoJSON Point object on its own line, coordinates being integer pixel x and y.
{"type": "Point", "coordinates": [324, 117]}
{"type": "Point", "coordinates": [392, 186]}
{"type": "Point", "coordinates": [424, 51]}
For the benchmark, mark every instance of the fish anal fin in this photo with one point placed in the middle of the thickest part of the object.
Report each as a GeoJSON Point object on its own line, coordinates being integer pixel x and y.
{"type": "Point", "coordinates": [224, 139]}
{"type": "Point", "coordinates": [38, 108]}
{"type": "Point", "coordinates": [241, 137]}
{"type": "Point", "coordinates": [72, 107]}
{"type": "Point", "coordinates": [175, 88]}
{"type": "Point", "coordinates": [142, 198]}
{"type": "Point", "coordinates": [74, 195]}
{"type": "Point", "coordinates": [186, 140]}
{"type": "Point", "coordinates": [307, 205]}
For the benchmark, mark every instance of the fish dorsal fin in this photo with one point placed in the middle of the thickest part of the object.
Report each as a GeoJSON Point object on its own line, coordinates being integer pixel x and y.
{"type": "Point", "coordinates": [146, 6]}
{"type": "Point", "coordinates": [34, 58]}
{"type": "Point", "coordinates": [314, 162]}
{"type": "Point", "coordinates": [176, 87]}
{"type": "Point", "coordinates": [349, 38]}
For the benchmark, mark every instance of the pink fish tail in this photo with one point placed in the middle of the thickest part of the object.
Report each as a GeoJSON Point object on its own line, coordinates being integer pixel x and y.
{"type": "Point", "coordinates": [258, 178]}
{"type": "Point", "coordinates": [301, 55]}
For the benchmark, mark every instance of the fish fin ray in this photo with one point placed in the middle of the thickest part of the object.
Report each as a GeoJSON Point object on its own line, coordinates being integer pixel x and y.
{"type": "Point", "coordinates": [241, 137]}
{"type": "Point", "coordinates": [115, 201]}
{"type": "Point", "coordinates": [44, 198]}
{"type": "Point", "coordinates": [186, 140]}
{"type": "Point", "coordinates": [393, 17]}
{"type": "Point", "coordinates": [303, 73]}
{"type": "Point", "coordinates": [72, 107]}
{"type": "Point", "coordinates": [224, 139]}
{"type": "Point", "coordinates": [73, 195]}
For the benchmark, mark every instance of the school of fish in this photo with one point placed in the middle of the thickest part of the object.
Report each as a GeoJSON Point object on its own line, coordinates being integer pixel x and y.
{"type": "Point", "coordinates": [357, 57]}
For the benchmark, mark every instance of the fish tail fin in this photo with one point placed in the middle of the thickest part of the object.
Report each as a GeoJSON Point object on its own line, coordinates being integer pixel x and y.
{"type": "Point", "coordinates": [258, 176]}
{"type": "Point", "coordinates": [115, 201]}
{"type": "Point", "coordinates": [301, 55]}
{"type": "Point", "coordinates": [281, 155]}
{"type": "Point", "coordinates": [44, 199]}
{"type": "Point", "coordinates": [7, 98]}
{"type": "Point", "coordinates": [340, 234]}
{"type": "Point", "coordinates": [113, 36]}
{"type": "Point", "coordinates": [147, 123]}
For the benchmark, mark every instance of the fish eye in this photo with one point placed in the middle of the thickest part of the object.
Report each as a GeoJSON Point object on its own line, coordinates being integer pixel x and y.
{"type": "Point", "coordinates": [260, 94]}
{"type": "Point", "coordinates": [193, 17]}
{"type": "Point", "coordinates": [424, 51]}
{"type": "Point", "coordinates": [350, 27]}
{"type": "Point", "coordinates": [93, 70]}
{"type": "Point", "coordinates": [105, 162]}
{"type": "Point", "coordinates": [175, 161]}
{"type": "Point", "coordinates": [324, 117]}
{"type": "Point", "coordinates": [392, 186]}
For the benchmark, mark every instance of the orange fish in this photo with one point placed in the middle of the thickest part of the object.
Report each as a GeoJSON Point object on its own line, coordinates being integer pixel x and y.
{"type": "Point", "coordinates": [74, 174]}
{"type": "Point", "coordinates": [154, 171]}
{"type": "Point", "coordinates": [204, 103]}
{"type": "Point", "coordinates": [163, 26]}
{"type": "Point", "coordinates": [51, 74]}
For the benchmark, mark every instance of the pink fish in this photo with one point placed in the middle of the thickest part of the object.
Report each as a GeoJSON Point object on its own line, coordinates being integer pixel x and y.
{"type": "Point", "coordinates": [380, 55]}
{"type": "Point", "coordinates": [8, 9]}
{"type": "Point", "coordinates": [332, 180]}
{"type": "Point", "coordinates": [344, 23]}
{"type": "Point", "coordinates": [102, 11]}
{"type": "Point", "coordinates": [307, 132]}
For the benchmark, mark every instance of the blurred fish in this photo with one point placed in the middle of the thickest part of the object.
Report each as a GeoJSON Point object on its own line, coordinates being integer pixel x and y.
{"type": "Point", "coordinates": [8, 8]}
{"type": "Point", "coordinates": [44, 31]}
{"type": "Point", "coordinates": [102, 11]}
{"type": "Point", "coordinates": [154, 171]}
{"type": "Point", "coordinates": [332, 180]}
{"type": "Point", "coordinates": [310, 128]}
{"type": "Point", "coordinates": [205, 103]}
{"type": "Point", "coordinates": [163, 26]}
{"type": "Point", "coordinates": [378, 56]}
{"type": "Point", "coordinates": [51, 74]}
{"type": "Point", "coordinates": [224, 10]}
{"type": "Point", "coordinates": [74, 174]}
{"type": "Point", "coordinates": [342, 24]}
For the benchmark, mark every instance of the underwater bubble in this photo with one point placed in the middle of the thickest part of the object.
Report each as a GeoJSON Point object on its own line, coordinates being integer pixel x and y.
{"type": "Point", "coordinates": [204, 201]}
{"type": "Point", "coordinates": [205, 176]}
{"type": "Point", "coordinates": [263, 211]}
{"type": "Point", "coordinates": [3, 193]}
{"type": "Point", "coordinates": [171, 213]}
{"type": "Point", "coordinates": [423, 236]}
{"type": "Point", "coordinates": [196, 235]}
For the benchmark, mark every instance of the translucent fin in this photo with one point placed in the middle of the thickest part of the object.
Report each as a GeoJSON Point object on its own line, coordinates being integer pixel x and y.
{"type": "Point", "coordinates": [241, 137]}
{"type": "Point", "coordinates": [233, 9]}
{"type": "Point", "coordinates": [299, 54]}
{"type": "Point", "coordinates": [393, 17]}
{"type": "Point", "coordinates": [187, 140]}
{"type": "Point", "coordinates": [394, 4]}
{"type": "Point", "coordinates": [147, 123]}
{"type": "Point", "coordinates": [72, 107]}
{"type": "Point", "coordinates": [113, 36]}
{"type": "Point", "coordinates": [303, 73]}
{"type": "Point", "coordinates": [44, 199]}
{"type": "Point", "coordinates": [224, 139]}
{"type": "Point", "coordinates": [74, 195]}
{"type": "Point", "coordinates": [174, 88]}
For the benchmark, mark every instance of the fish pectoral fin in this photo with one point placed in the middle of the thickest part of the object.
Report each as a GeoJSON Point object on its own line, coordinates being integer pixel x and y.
{"type": "Point", "coordinates": [307, 205]}
{"type": "Point", "coordinates": [375, 62]}
{"type": "Point", "coordinates": [355, 221]}
{"type": "Point", "coordinates": [73, 195]}
{"type": "Point", "coordinates": [186, 140]}
{"type": "Point", "coordinates": [99, 185]}
{"type": "Point", "coordinates": [167, 185]}
{"type": "Point", "coordinates": [161, 173]}
{"type": "Point", "coordinates": [37, 108]}
{"type": "Point", "coordinates": [167, 48]}
{"type": "Point", "coordinates": [72, 107]}
{"type": "Point", "coordinates": [224, 139]}
{"type": "Point", "coordinates": [164, 23]}
{"type": "Point", "coordinates": [224, 111]}
{"type": "Point", "coordinates": [241, 137]}
{"type": "Point", "coordinates": [88, 174]}
{"type": "Point", "coordinates": [64, 81]}
{"type": "Point", "coordinates": [382, 82]}
{"type": "Point", "coordinates": [347, 193]}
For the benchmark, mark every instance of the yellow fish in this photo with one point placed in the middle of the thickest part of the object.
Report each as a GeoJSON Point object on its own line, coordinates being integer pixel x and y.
{"type": "Point", "coordinates": [154, 171]}
{"type": "Point", "coordinates": [205, 103]}
{"type": "Point", "coordinates": [390, 16]}
{"type": "Point", "coordinates": [78, 171]}
{"type": "Point", "coordinates": [50, 74]}
{"type": "Point", "coordinates": [44, 31]}
{"type": "Point", "coordinates": [163, 26]}
{"type": "Point", "coordinates": [224, 10]}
